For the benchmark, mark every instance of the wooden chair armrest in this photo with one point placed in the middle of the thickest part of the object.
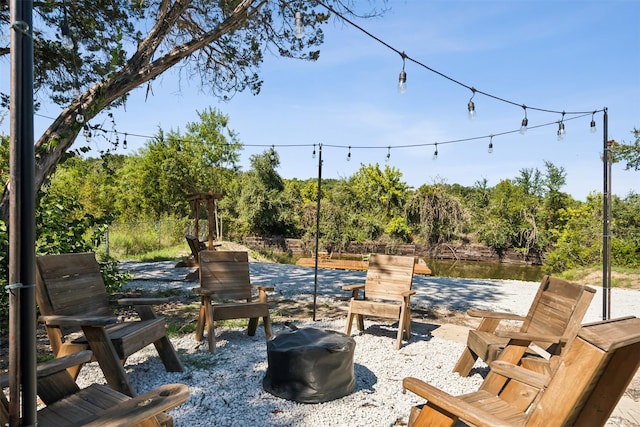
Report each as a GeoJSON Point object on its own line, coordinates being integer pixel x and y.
{"type": "Point", "coordinates": [408, 293]}
{"type": "Point", "coordinates": [518, 373]}
{"type": "Point", "coordinates": [141, 301]}
{"type": "Point", "coordinates": [524, 336]}
{"type": "Point", "coordinates": [203, 291]}
{"type": "Point", "coordinates": [263, 288]}
{"type": "Point", "coordinates": [352, 287]}
{"type": "Point", "coordinates": [53, 366]}
{"type": "Point", "coordinates": [140, 408]}
{"type": "Point", "coordinates": [452, 404]}
{"type": "Point", "coordinates": [70, 321]}
{"type": "Point", "coordinates": [495, 315]}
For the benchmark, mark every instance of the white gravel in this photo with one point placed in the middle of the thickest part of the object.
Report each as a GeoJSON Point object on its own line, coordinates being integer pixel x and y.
{"type": "Point", "coordinates": [226, 388]}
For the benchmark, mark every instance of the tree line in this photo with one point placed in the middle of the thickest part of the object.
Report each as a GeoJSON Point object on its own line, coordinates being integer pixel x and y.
{"type": "Point", "coordinates": [529, 212]}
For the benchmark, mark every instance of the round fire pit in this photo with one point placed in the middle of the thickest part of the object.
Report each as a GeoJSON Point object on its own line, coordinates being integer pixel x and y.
{"type": "Point", "coordinates": [310, 365]}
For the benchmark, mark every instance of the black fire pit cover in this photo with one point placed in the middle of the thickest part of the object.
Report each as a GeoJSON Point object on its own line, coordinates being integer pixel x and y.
{"type": "Point", "coordinates": [310, 365]}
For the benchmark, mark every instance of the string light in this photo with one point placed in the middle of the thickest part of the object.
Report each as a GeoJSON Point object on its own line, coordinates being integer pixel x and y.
{"type": "Point", "coordinates": [86, 131]}
{"type": "Point", "coordinates": [124, 143]}
{"type": "Point", "coordinates": [402, 80]}
{"type": "Point", "coordinates": [349, 155]}
{"type": "Point", "coordinates": [388, 154]}
{"type": "Point", "coordinates": [592, 126]}
{"type": "Point", "coordinates": [490, 150]}
{"type": "Point", "coordinates": [561, 131]}
{"type": "Point", "coordinates": [272, 154]}
{"type": "Point", "coordinates": [67, 41]}
{"type": "Point", "coordinates": [299, 32]}
{"type": "Point", "coordinates": [435, 153]}
{"type": "Point", "coordinates": [313, 155]}
{"type": "Point", "coordinates": [525, 121]}
{"type": "Point", "coordinates": [471, 106]}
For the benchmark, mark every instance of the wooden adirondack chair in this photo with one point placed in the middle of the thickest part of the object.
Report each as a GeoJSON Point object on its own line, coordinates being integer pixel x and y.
{"type": "Point", "coordinates": [72, 297]}
{"type": "Point", "coordinates": [582, 390]}
{"type": "Point", "coordinates": [225, 291]}
{"type": "Point", "coordinates": [555, 315]}
{"type": "Point", "coordinates": [195, 245]}
{"type": "Point", "coordinates": [387, 292]}
{"type": "Point", "coordinates": [68, 405]}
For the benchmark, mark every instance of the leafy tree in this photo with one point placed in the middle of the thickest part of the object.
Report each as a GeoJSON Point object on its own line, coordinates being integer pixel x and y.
{"type": "Point", "coordinates": [439, 216]}
{"type": "Point", "coordinates": [629, 153]}
{"type": "Point", "coordinates": [120, 45]}
{"type": "Point", "coordinates": [579, 242]}
{"type": "Point", "coordinates": [156, 181]}
{"type": "Point", "coordinates": [91, 182]}
{"type": "Point", "coordinates": [379, 195]}
{"type": "Point", "coordinates": [510, 218]}
{"type": "Point", "coordinates": [625, 243]}
{"type": "Point", "coordinates": [262, 206]}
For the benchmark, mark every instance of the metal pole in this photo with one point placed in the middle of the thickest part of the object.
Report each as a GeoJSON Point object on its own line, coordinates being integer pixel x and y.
{"type": "Point", "coordinates": [22, 218]}
{"type": "Point", "coordinates": [606, 221]}
{"type": "Point", "coordinates": [315, 277]}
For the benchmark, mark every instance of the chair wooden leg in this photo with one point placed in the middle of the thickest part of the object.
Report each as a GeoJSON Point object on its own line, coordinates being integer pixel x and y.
{"type": "Point", "coordinates": [266, 320]}
{"type": "Point", "coordinates": [168, 355]}
{"type": "Point", "coordinates": [108, 360]}
{"type": "Point", "coordinates": [401, 326]}
{"type": "Point", "coordinates": [201, 322]}
{"type": "Point", "coordinates": [407, 323]}
{"type": "Point", "coordinates": [253, 325]}
{"type": "Point", "coordinates": [67, 349]}
{"type": "Point", "coordinates": [465, 362]}
{"type": "Point", "coordinates": [349, 322]}
{"type": "Point", "coordinates": [360, 321]}
{"type": "Point", "coordinates": [211, 332]}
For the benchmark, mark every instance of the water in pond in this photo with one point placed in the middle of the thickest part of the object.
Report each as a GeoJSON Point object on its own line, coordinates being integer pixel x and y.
{"type": "Point", "coordinates": [484, 270]}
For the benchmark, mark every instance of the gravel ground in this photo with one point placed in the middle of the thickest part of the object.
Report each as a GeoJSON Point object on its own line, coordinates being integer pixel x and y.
{"type": "Point", "coordinates": [226, 388]}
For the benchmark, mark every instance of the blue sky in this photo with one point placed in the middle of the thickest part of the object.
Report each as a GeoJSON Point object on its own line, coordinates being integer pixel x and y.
{"type": "Point", "coordinates": [563, 55]}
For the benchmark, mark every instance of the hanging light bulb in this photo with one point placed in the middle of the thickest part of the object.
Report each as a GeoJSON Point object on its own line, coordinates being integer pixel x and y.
{"type": "Point", "coordinates": [388, 154]}
{"type": "Point", "coordinates": [313, 155]}
{"type": "Point", "coordinates": [490, 150]}
{"type": "Point", "coordinates": [349, 155]}
{"type": "Point", "coordinates": [272, 154]}
{"type": "Point", "coordinates": [79, 116]}
{"type": "Point", "coordinates": [435, 153]}
{"type": "Point", "coordinates": [67, 41]}
{"type": "Point", "coordinates": [471, 107]}
{"type": "Point", "coordinates": [87, 132]}
{"type": "Point", "coordinates": [299, 32]}
{"type": "Point", "coordinates": [561, 131]}
{"type": "Point", "coordinates": [124, 143]}
{"type": "Point", "coordinates": [402, 80]}
{"type": "Point", "coordinates": [525, 121]}
{"type": "Point", "coordinates": [592, 127]}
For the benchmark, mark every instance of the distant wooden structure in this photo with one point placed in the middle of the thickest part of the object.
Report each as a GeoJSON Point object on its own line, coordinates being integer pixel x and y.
{"type": "Point", "coordinates": [353, 264]}
{"type": "Point", "coordinates": [209, 199]}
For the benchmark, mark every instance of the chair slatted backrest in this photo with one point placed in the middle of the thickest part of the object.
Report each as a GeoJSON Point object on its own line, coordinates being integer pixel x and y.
{"type": "Point", "coordinates": [226, 273]}
{"type": "Point", "coordinates": [71, 284]}
{"type": "Point", "coordinates": [592, 376]}
{"type": "Point", "coordinates": [556, 304]}
{"type": "Point", "coordinates": [388, 276]}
